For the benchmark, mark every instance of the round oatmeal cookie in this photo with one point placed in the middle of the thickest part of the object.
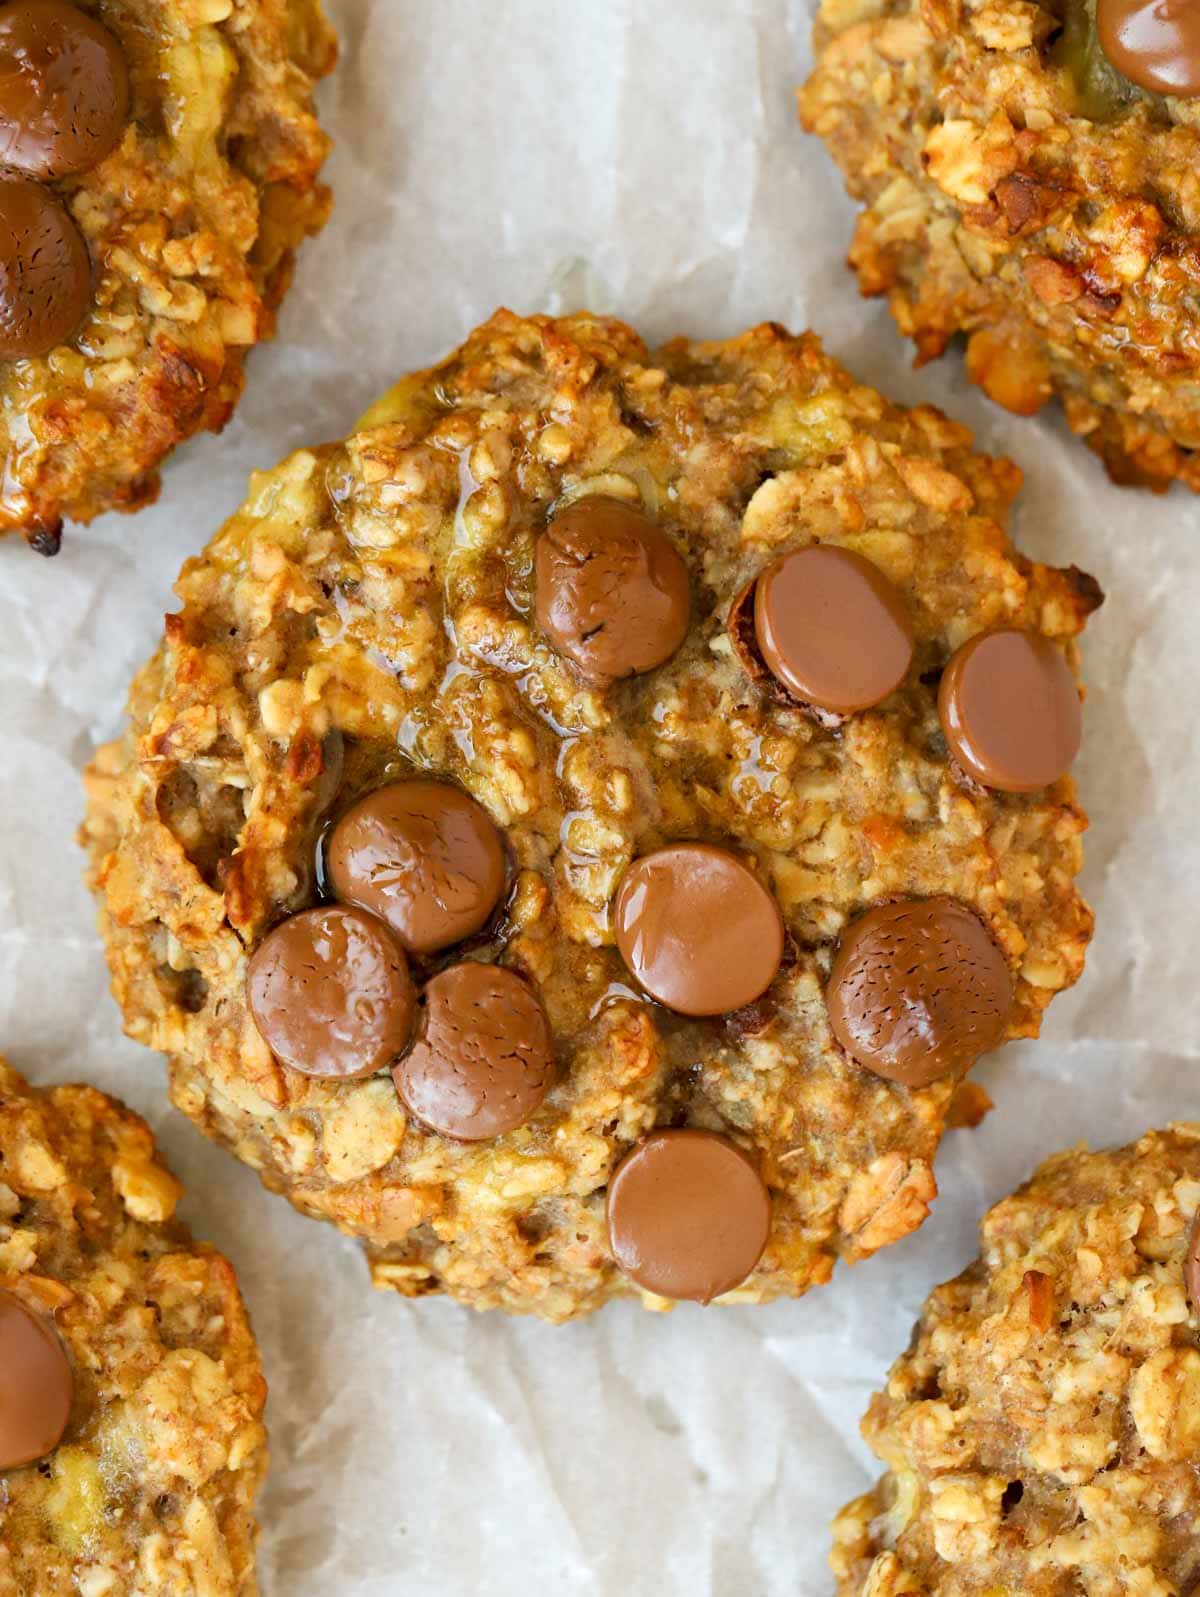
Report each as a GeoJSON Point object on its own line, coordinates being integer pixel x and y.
{"type": "Point", "coordinates": [1028, 170]}
{"type": "Point", "coordinates": [131, 1395]}
{"type": "Point", "coordinates": [463, 732]}
{"type": "Point", "coordinates": [158, 169]}
{"type": "Point", "coordinates": [1041, 1432]}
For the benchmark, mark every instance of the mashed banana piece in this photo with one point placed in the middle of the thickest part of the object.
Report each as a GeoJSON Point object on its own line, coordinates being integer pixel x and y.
{"type": "Point", "coordinates": [1018, 190]}
{"type": "Point", "coordinates": [1040, 1432]}
{"type": "Point", "coordinates": [368, 614]}
{"type": "Point", "coordinates": [152, 1488]}
{"type": "Point", "coordinates": [191, 224]}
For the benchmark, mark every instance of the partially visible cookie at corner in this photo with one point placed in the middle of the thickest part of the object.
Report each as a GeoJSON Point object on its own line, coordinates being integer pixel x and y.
{"type": "Point", "coordinates": [159, 166]}
{"type": "Point", "coordinates": [1027, 177]}
{"type": "Point", "coordinates": [1040, 1433]}
{"type": "Point", "coordinates": [131, 1393]}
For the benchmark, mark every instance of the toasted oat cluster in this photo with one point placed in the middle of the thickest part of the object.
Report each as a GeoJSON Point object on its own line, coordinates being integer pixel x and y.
{"type": "Point", "coordinates": [139, 266]}
{"type": "Point", "coordinates": [1040, 1434]}
{"type": "Point", "coordinates": [555, 754]}
{"type": "Point", "coordinates": [1021, 190]}
{"type": "Point", "coordinates": [131, 1397]}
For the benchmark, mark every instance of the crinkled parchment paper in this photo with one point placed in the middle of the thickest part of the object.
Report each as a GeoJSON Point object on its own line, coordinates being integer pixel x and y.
{"type": "Point", "coordinates": [537, 153]}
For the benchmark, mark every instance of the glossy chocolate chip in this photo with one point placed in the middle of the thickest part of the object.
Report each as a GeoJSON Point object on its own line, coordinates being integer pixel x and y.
{"type": "Point", "coordinates": [919, 990]}
{"type": "Point", "coordinates": [330, 993]}
{"type": "Point", "coordinates": [612, 592]}
{"type": "Point", "coordinates": [36, 1386]}
{"type": "Point", "coordinates": [483, 1059]}
{"type": "Point", "coordinates": [832, 628]}
{"type": "Point", "coordinates": [424, 857]}
{"type": "Point", "coordinates": [45, 271]}
{"type": "Point", "coordinates": [1192, 1265]}
{"type": "Point", "coordinates": [64, 89]}
{"type": "Point", "coordinates": [1153, 43]}
{"type": "Point", "coordinates": [688, 1215]}
{"type": "Point", "coordinates": [1010, 710]}
{"type": "Point", "coordinates": [698, 929]}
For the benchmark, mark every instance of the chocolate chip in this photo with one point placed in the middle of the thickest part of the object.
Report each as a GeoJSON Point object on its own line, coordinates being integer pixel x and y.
{"type": "Point", "coordinates": [743, 639]}
{"type": "Point", "coordinates": [688, 1215]}
{"type": "Point", "coordinates": [1153, 43]}
{"type": "Point", "coordinates": [1010, 711]}
{"type": "Point", "coordinates": [330, 993]}
{"type": "Point", "coordinates": [832, 628]}
{"type": "Point", "coordinates": [1192, 1265]}
{"type": "Point", "coordinates": [739, 626]}
{"type": "Point", "coordinates": [919, 990]}
{"type": "Point", "coordinates": [483, 1059]}
{"type": "Point", "coordinates": [424, 857]}
{"type": "Point", "coordinates": [612, 592]}
{"type": "Point", "coordinates": [36, 1385]}
{"type": "Point", "coordinates": [45, 271]}
{"type": "Point", "coordinates": [64, 89]}
{"type": "Point", "coordinates": [698, 929]}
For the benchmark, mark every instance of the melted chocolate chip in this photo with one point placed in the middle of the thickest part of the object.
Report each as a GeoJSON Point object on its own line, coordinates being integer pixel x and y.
{"type": "Point", "coordinates": [424, 857]}
{"type": "Point", "coordinates": [64, 89]}
{"type": "Point", "coordinates": [688, 1215]}
{"type": "Point", "coordinates": [919, 990]}
{"type": "Point", "coordinates": [1192, 1265]}
{"type": "Point", "coordinates": [36, 1385]}
{"type": "Point", "coordinates": [743, 639]}
{"type": "Point", "coordinates": [698, 929]}
{"type": "Point", "coordinates": [1153, 43]}
{"type": "Point", "coordinates": [330, 993]}
{"type": "Point", "coordinates": [832, 628]}
{"type": "Point", "coordinates": [1010, 711]}
{"type": "Point", "coordinates": [45, 271]}
{"type": "Point", "coordinates": [483, 1059]}
{"type": "Point", "coordinates": [612, 592]}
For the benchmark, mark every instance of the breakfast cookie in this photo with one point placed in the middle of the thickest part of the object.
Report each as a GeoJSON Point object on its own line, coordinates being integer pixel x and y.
{"type": "Point", "coordinates": [1028, 169]}
{"type": "Point", "coordinates": [1040, 1433]}
{"type": "Point", "coordinates": [494, 812]}
{"type": "Point", "coordinates": [131, 1397]}
{"type": "Point", "coordinates": [158, 168]}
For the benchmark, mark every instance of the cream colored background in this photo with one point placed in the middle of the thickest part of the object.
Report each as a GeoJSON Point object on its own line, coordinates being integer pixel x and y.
{"type": "Point", "coordinates": [483, 146]}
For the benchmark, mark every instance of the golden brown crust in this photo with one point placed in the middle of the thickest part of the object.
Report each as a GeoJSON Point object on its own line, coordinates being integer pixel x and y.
{"type": "Point", "coordinates": [314, 645]}
{"type": "Point", "coordinates": [192, 223]}
{"type": "Point", "coordinates": [1041, 1431]}
{"type": "Point", "coordinates": [152, 1488]}
{"type": "Point", "coordinates": [1066, 248]}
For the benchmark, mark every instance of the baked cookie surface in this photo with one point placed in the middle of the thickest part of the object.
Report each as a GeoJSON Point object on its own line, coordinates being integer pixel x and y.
{"type": "Point", "coordinates": [131, 1454]}
{"type": "Point", "coordinates": [1040, 1432]}
{"type": "Point", "coordinates": [485, 676]}
{"type": "Point", "coordinates": [1020, 190]}
{"type": "Point", "coordinates": [148, 221]}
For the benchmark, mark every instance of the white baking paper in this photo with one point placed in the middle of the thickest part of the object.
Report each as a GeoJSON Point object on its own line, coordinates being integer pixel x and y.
{"type": "Point", "coordinates": [644, 156]}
